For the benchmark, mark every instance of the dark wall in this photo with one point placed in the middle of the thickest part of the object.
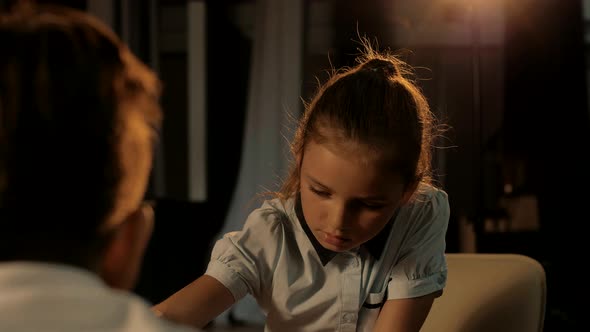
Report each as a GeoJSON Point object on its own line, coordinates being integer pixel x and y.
{"type": "Point", "coordinates": [79, 4]}
{"type": "Point", "coordinates": [180, 247]}
{"type": "Point", "coordinates": [547, 126]}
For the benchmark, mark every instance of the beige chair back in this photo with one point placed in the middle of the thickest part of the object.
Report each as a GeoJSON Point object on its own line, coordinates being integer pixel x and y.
{"type": "Point", "coordinates": [490, 293]}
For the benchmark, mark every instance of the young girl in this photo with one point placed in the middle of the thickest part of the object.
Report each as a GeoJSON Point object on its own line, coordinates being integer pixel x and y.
{"type": "Point", "coordinates": [355, 240]}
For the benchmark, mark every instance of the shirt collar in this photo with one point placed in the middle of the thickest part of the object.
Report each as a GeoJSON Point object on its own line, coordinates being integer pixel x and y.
{"type": "Point", "coordinates": [374, 246]}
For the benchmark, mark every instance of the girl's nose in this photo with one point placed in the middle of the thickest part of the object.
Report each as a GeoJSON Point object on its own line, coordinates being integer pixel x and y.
{"type": "Point", "coordinates": [339, 219]}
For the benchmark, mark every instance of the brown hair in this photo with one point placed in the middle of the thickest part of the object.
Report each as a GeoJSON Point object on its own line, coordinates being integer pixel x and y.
{"type": "Point", "coordinates": [375, 103]}
{"type": "Point", "coordinates": [67, 84]}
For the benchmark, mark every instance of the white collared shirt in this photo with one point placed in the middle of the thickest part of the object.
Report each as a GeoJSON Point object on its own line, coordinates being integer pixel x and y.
{"type": "Point", "coordinates": [37, 297]}
{"type": "Point", "coordinates": [302, 287]}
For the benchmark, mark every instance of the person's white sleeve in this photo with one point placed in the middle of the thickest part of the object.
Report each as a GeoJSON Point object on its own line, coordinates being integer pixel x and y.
{"type": "Point", "coordinates": [421, 268]}
{"type": "Point", "coordinates": [243, 261]}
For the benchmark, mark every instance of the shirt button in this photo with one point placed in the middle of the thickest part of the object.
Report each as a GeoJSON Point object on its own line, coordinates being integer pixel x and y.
{"type": "Point", "coordinates": [348, 318]}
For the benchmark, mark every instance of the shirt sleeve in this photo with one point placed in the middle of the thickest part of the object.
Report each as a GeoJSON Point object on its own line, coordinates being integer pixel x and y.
{"type": "Point", "coordinates": [243, 261]}
{"type": "Point", "coordinates": [421, 268]}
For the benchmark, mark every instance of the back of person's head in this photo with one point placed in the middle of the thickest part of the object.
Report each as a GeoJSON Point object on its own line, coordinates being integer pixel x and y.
{"type": "Point", "coordinates": [78, 113]}
{"type": "Point", "coordinates": [375, 104]}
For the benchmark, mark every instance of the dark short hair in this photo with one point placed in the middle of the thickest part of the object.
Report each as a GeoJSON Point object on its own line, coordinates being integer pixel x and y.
{"type": "Point", "coordinates": [66, 83]}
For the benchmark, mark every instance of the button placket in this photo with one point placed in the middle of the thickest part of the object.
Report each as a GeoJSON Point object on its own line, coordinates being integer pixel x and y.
{"type": "Point", "coordinates": [349, 318]}
{"type": "Point", "coordinates": [351, 283]}
{"type": "Point", "coordinates": [353, 262]}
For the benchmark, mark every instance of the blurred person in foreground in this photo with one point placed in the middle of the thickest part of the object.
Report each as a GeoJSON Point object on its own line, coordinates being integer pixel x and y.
{"type": "Point", "coordinates": [79, 115]}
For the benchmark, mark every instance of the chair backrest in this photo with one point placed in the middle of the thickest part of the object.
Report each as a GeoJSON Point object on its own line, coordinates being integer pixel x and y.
{"type": "Point", "coordinates": [490, 293]}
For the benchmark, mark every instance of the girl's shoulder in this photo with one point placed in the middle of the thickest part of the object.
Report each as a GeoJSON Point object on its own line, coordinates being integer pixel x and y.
{"type": "Point", "coordinates": [429, 206]}
{"type": "Point", "coordinates": [272, 214]}
{"type": "Point", "coordinates": [429, 195]}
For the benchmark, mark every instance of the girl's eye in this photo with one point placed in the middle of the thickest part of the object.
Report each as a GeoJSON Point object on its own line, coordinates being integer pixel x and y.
{"type": "Point", "coordinates": [318, 192]}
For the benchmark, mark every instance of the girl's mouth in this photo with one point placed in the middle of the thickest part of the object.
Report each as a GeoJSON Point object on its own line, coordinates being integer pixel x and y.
{"type": "Point", "coordinates": [335, 240]}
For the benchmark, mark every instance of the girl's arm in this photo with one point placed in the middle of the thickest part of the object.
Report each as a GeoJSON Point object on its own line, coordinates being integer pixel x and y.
{"type": "Point", "coordinates": [405, 315]}
{"type": "Point", "coordinates": [196, 304]}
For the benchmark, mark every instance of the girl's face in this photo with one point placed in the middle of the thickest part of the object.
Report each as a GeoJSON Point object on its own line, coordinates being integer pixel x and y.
{"type": "Point", "coordinates": [347, 197]}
